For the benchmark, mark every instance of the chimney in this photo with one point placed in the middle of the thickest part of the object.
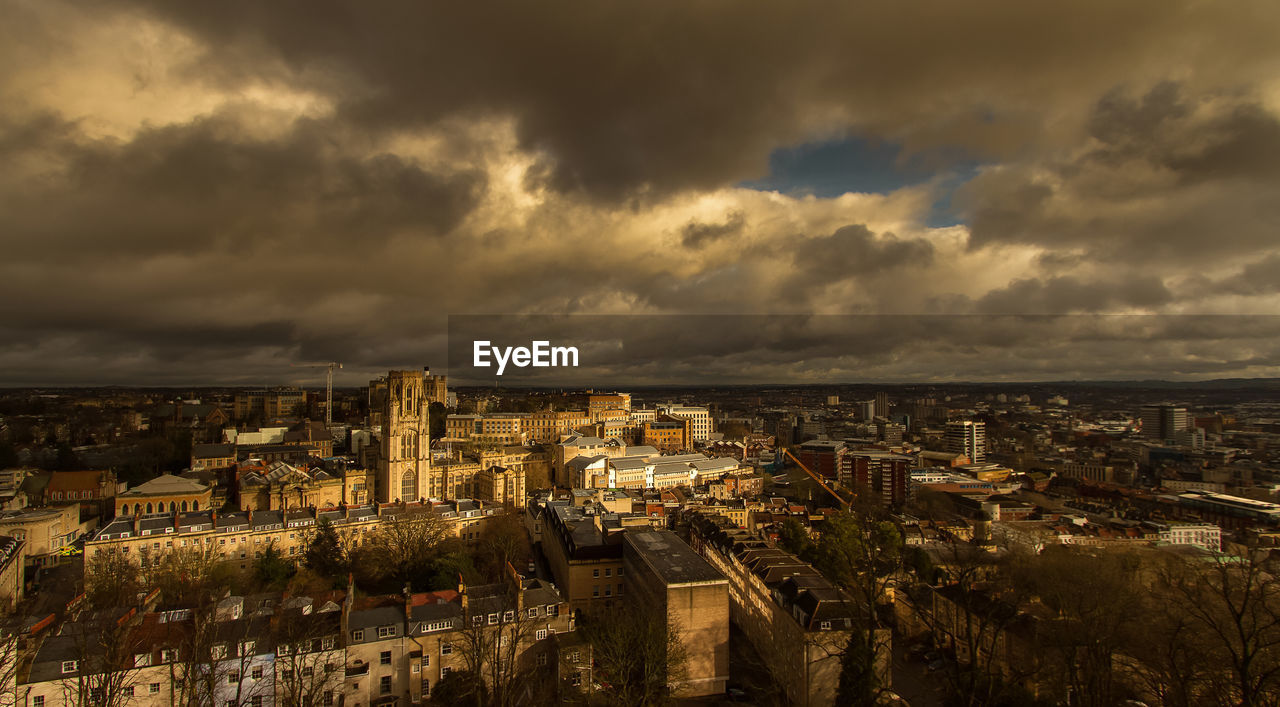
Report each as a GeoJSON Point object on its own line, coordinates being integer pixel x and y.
{"type": "Point", "coordinates": [408, 606]}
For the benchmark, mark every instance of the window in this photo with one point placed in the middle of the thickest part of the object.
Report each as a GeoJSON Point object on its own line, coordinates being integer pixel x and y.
{"type": "Point", "coordinates": [247, 647]}
{"type": "Point", "coordinates": [69, 666]}
{"type": "Point", "coordinates": [533, 612]}
{"type": "Point", "coordinates": [141, 660]}
{"type": "Point", "coordinates": [508, 616]}
{"type": "Point", "coordinates": [445, 671]}
{"type": "Point", "coordinates": [386, 631]}
{"type": "Point", "coordinates": [477, 620]}
{"type": "Point", "coordinates": [595, 573]}
{"type": "Point", "coordinates": [308, 671]}
{"type": "Point", "coordinates": [385, 658]}
{"type": "Point", "coordinates": [825, 625]}
{"type": "Point", "coordinates": [233, 678]}
{"type": "Point", "coordinates": [619, 571]}
{"type": "Point", "coordinates": [328, 698]}
{"type": "Point", "coordinates": [384, 685]}
{"type": "Point", "coordinates": [255, 701]}
{"type": "Point", "coordinates": [446, 648]}
{"type": "Point", "coordinates": [426, 659]}
{"type": "Point", "coordinates": [416, 668]}
{"type": "Point", "coordinates": [357, 635]}
{"type": "Point", "coordinates": [154, 688]}
{"type": "Point", "coordinates": [541, 634]}
{"type": "Point", "coordinates": [128, 691]}
{"type": "Point", "coordinates": [595, 591]}
{"type": "Point", "coordinates": [542, 659]}
{"type": "Point", "coordinates": [493, 619]}
{"type": "Point", "coordinates": [257, 672]}
{"type": "Point", "coordinates": [169, 655]}
{"type": "Point", "coordinates": [608, 571]}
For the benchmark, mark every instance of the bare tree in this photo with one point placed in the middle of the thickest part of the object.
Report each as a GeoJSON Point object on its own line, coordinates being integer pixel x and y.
{"type": "Point", "coordinates": [102, 650]}
{"type": "Point", "coordinates": [309, 656]}
{"type": "Point", "coordinates": [8, 666]}
{"type": "Point", "coordinates": [504, 542]}
{"type": "Point", "coordinates": [495, 634]}
{"type": "Point", "coordinates": [860, 552]}
{"type": "Point", "coordinates": [1095, 599]}
{"type": "Point", "coordinates": [111, 579]}
{"type": "Point", "coordinates": [640, 656]}
{"type": "Point", "coordinates": [185, 576]}
{"type": "Point", "coordinates": [1234, 603]}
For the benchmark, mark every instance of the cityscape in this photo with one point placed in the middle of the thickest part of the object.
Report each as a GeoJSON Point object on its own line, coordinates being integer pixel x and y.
{"type": "Point", "coordinates": [407, 542]}
{"type": "Point", "coordinates": [640, 353]}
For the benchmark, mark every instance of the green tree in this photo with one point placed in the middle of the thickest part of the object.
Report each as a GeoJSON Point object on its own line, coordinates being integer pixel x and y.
{"type": "Point", "coordinates": [794, 538]}
{"type": "Point", "coordinates": [436, 414]}
{"type": "Point", "coordinates": [272, 569]}
{"type": "Point", "coordinates": [326, 554]}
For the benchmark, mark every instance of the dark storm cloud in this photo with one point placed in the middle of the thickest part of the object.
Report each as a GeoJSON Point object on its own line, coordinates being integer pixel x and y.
{"type": "Point", "coordinates": [696, 233]}
{"type": "Point", "coordinates": [756, 348]}
{"type": "Point", "coordinates": [1061, 295]}
{"type": "Point", "coordinates": [202, 185]}
{"type": "Point", "coordinates": [270, 183]}
{"type": "Point", "coordinates": [1170, 178]}
{"type": "Point", "coordinates": [669, 95]}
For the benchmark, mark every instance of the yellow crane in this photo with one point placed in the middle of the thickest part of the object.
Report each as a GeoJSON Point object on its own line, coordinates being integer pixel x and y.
{"type": "Point", "coordinates": [843, 501]}
{"type": "Point", "coordinates": [328, 395]}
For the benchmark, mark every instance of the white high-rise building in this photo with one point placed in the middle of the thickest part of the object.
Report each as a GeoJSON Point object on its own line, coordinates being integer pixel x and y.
{"type": "Point", "coordinates": [968, 438]}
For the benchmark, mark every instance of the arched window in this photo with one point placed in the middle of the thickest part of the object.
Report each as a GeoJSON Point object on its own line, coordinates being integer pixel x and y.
{"type": "Point", "coordinates": [149, 508]}
{"type": "Point", "coordinates": [184, 506]}
{"type": "Point", "coordinates": [409, 485]}
{"type": "Point", "coordinates": [195, 505]}
{"type": "Point", "coordinates": [160, 507]}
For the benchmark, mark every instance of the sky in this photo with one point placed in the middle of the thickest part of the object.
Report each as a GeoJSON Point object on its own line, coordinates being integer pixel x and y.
{"type": "Point", "coordinates": [215, 193]}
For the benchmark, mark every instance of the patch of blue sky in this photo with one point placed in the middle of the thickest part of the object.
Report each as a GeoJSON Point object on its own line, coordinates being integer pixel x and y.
{"type": "Point", "coordinates": [829, 168]}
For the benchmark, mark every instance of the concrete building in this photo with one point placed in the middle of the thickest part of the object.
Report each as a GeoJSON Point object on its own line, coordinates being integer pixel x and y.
{"type": "Point", "coordinates": [664, 575]}
{"type": "Point", "coordinates": [43, 532]}
{"type": "Point", "coordinates": [968, 438]}
{"type": "Point", "coordinates": [494, 428]}
{"type": "Point", "coordinates": [794, 618]}
{"type": "Point", "coordinates": [1161, 423]}
{"type": "Point", "coordinates": [598, 405]}
{"type": "Point", "coordinates": [550, 426]}
{"type": "Point", "coordinates": [269, 404]}
{"type": "Point", "coordinates": [700, 427]}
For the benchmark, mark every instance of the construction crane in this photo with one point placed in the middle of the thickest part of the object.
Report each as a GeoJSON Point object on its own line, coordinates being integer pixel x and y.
{"type": "Point", "coordinates": [328, 394]}
{"type": "Point", "coordinates": [843, 501]}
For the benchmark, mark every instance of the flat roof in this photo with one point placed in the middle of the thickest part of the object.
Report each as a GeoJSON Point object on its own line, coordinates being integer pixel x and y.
{"type": "Point", "coordinates": [672, 559]}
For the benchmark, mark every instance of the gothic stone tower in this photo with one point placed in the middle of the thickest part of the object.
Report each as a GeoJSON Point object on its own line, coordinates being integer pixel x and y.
{"type": "Point", "coordinates": [405, 462]}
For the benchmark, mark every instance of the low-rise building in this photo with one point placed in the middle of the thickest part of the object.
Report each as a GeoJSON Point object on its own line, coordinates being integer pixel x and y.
{"type": "Point", "coordinates": [164, 494]}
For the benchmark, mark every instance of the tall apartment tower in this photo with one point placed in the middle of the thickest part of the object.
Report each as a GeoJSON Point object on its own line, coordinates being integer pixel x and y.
{"type": "Point", "coordinates": [1164, 422]}
{"type": "Point", "coordinates": [968, 438]}
{"type": "Point", "coordinates": [404, 465]}
{"type": "Point", "coordinates": [882, 405]}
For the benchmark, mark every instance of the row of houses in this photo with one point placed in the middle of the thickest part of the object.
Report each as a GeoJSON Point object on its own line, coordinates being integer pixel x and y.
{"type": "Point", "coordinates": [328, 650]}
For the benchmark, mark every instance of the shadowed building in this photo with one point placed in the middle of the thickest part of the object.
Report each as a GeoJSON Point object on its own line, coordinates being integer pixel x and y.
{"type": "Point", "coordinates": [664, 574]}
